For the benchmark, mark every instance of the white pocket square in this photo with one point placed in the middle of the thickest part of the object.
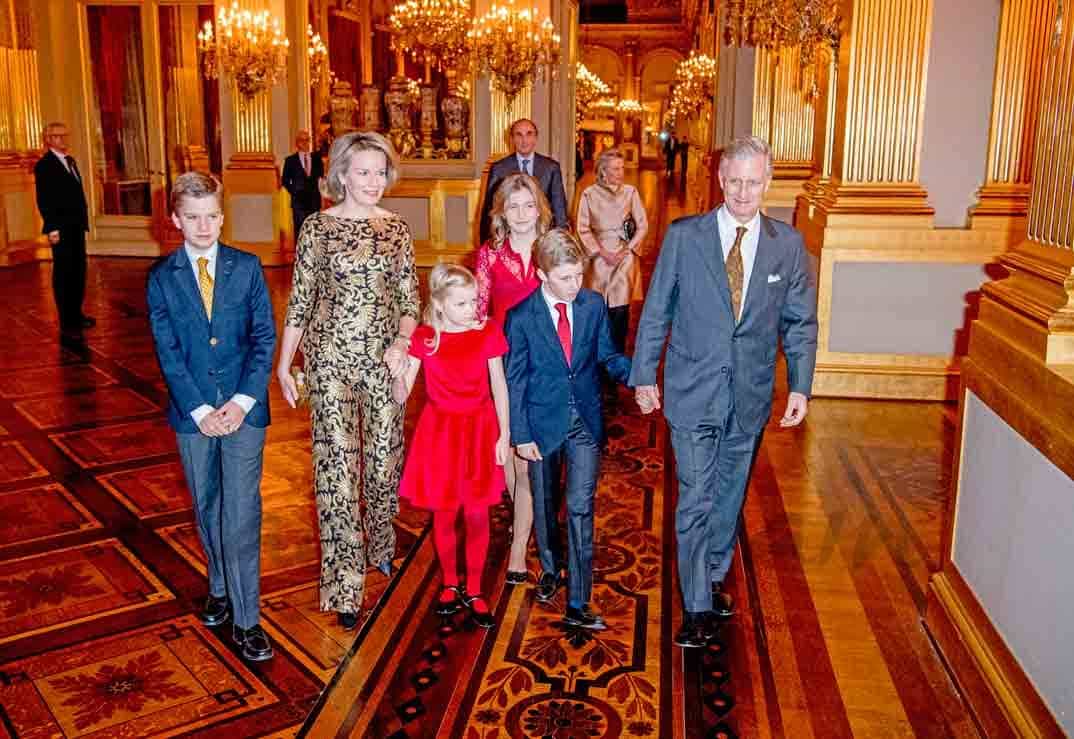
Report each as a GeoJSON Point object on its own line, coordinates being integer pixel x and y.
{"type": "Point", "coordinates": [773, 278]}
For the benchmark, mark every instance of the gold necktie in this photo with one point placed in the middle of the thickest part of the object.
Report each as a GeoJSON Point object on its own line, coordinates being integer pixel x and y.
{"type": "Point", "coordinates": [736, 272]}
{"type": "Point", "coordinates": [205, 284]}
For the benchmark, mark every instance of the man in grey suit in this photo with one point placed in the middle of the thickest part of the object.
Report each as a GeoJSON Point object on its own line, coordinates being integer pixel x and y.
{"type": "Point", "coordinates": [528, 161]}
{"type": "Point", "coordinates": [730, 283]}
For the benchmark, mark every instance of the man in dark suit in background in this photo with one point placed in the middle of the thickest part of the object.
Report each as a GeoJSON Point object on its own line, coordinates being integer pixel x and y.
{"type": "Point", "coordinates": [62, 204]}
{"type": "Point", "coordinates": [526, 160]}
{"type": "Point", "coordinates": [302, 172]}
{"type": "Point", "coordinates": [731, 284]}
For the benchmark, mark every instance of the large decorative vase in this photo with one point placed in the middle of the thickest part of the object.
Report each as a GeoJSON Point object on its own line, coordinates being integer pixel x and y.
{"type": "Point", "coordinates": [371, 120]}
{"type": "Point", "coordinates": [399, 103]}
{"type": "Point", "coordinates": [343, 107]}
{"type": "Point", "coordinates": [456, 112]}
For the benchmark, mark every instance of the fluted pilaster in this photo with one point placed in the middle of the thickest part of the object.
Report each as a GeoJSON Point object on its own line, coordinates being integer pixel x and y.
{"type": "Point", "coordinates": [783, 115]}
{"type": "Point", "coordinates": [1024, 32]}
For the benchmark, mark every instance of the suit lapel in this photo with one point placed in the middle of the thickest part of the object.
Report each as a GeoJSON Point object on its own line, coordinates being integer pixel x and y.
{"type": "Point", "coordinates": [712, 255]}
{"type": "Point", "coordinates": [547, 327]}
{"type": "Point", "coordinates": [225, 265]}
{"type": "Point", "coordinates": [184, 275]}
{"type": "Point", "coordinates": [582, 316]}
{"type": "Point", "coordinates": [763, 263]}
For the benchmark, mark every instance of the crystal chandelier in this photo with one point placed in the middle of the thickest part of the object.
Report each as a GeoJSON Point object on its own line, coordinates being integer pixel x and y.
{"type": "Point", "coordinates": [811, 25]}
{"type": "Point", "coordinates": [318, 56]}
{"type": "Point", "coordinates": [629, 106]}
{"type": "Point", "coordinates": [435, 31]}
{"type": "Point", "coordinates": [588, 87]}
{"type": "Point", "coordinates": [693, 84]}
{"type": "Point", "coordinates": [248, 47]}
{"type": "Point", "coordinates": [514, 48]}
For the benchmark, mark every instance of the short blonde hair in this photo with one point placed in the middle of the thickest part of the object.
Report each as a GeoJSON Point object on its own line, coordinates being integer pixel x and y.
{"type": "Point", "coordinates": [342, 152]}
{"type": "Point", "coordinates": [512, 183]}
{"type": "Point", "coordinates": [745, 147]}
{"type": "Point", "coordinates": [558, 247]}
{"type": "Point", "coordinates": [195, 185]}
{"type": "Point", "coordinates": [604, 159]}
{"type": "Point", "coordinates": [443, 277]}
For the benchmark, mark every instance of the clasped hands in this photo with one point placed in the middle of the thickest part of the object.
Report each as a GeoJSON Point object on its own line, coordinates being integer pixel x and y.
{"type": "Point", "coordinates": [223, 421]}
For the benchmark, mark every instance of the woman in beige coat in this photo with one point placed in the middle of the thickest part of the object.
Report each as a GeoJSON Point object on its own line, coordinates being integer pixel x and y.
{"type": "Point", "coordinates": [612, 225]}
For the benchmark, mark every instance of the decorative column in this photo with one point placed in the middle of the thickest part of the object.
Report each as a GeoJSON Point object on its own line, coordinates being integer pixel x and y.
{"type": "Point", "coordinates": [256, 217]}
{"type": "Point", "coordinates": [1011, 501]}
{"type": "Point", "coordinates": [186, 109]}
{"type": "Point", "coordinates": [879, 110]}
{"type": "Point", "coordinates": [783, 116]}
{"type": "Point", "coordinates": [1024, 32]}
{"type": "Point", "coordinates": [20, 134]}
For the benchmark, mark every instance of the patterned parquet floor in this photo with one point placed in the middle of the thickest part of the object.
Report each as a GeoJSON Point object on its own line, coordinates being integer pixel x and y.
{"type": "Point", "coordinates": [101, 573]}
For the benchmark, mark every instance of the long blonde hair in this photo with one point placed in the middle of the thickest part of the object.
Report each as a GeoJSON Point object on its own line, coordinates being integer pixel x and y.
{"type": "Point", "coordinates": [444, 276]}
{"type": "Point", "coordinates": [512, 183]}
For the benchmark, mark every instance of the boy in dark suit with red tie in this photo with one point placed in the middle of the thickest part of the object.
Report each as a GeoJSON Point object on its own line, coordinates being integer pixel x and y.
{"type": "Point", "coordinates": [559, 336]}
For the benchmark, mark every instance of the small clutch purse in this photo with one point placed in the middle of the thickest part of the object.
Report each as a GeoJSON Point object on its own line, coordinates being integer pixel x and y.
{"type": "Point", "coordinates": [300, 384]}
{"type": "Point", "coordinates": [630, 227]}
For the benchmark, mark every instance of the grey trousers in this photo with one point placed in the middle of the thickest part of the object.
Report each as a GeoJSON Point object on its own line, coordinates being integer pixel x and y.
{"type": "Point", "coordinates": [713, 465]}
{"type": "Point", "coordinates": [224, 476]}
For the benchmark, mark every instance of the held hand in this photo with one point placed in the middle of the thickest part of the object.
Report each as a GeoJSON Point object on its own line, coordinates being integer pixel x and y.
{"type": "Point", "coordinates": [503, 450]}
{"type": "Point", "coordinates": [287, 385]}
{"type": "Point", "coordinates": [230, 415]}
{"type": "Point", "coordinates": [797, 406]}
{"type": "Point", "coordinates": [529, 451]}
{"type": "Point", "coordinates": [647, 397]}
{"type": "Point", "coordinates": [212, 425]}
{"type": "Point", "coordinates": [612, 257]}
{"type": "Point", "coordinates": [53, 237]}
{"type": "Point", "coordinates": [399, 390]}
{"type": "Point", "coordinates": [395, 356]}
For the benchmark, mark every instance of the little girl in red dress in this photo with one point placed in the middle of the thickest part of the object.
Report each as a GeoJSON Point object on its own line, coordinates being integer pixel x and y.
{"type": "Point", "coordinates": [456, 457]}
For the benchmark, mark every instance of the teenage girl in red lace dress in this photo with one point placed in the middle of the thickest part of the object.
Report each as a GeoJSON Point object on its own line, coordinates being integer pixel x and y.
{"type": "Point", "coordinates": [506, 274]}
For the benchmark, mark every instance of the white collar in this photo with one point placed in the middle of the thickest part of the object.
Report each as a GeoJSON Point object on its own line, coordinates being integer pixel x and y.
{"type": "Point", "coordinates": [193, 253]}
{"type": "Point", "coordinates": [729, 223]}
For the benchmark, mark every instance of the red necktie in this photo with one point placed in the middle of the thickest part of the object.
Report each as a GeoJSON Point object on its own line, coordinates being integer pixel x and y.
{"type": "Point", "coordinates": [563, 328]}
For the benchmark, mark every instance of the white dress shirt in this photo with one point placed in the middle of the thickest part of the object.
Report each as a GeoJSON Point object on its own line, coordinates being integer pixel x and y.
{"type": "Point", "coordinates": [63, 158]}
{"type": "Point", "coordinates": [304, 160]}
{"type": "Point", "coordinates": [193, 254]}
{"type": "Point", "coordinates": [522, 159]}
{"type": "Point", "coordinates": [551, 301]}
{"type": "Point", "coordinates": [728, 230]}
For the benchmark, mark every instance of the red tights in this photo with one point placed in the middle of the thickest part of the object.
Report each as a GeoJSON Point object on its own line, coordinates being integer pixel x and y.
{"type": "Point", "coordinates": [476, 521]}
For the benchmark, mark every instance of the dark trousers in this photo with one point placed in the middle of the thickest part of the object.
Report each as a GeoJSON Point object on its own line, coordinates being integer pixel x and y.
{"type": "Point", "coordinates": [69, 277]}
{"type": "Point", "coordinates": [298, 217]}
{"type": "Point", "coordinates": [224, 476]}
{"type": "Point", "coordinates": [581, 457]}
{"type": "Point", "coordinates": [713, 465]}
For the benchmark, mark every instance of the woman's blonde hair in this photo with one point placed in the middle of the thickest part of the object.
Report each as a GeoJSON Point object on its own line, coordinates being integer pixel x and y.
{"type": "Point", "coordinates": [342, 152]}
{"type": "Point", "coordinates": [443, 277]}
{"type": "Point", "coordinates": [604, 159]}
{"type": "Point", "coordinates": [511, 184]}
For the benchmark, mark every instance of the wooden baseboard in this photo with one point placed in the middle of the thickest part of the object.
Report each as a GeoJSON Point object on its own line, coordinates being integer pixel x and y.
{"type": "Point", "coordinates": [993, 683]}
{"type": "Point", "coordinates": [896, 382]}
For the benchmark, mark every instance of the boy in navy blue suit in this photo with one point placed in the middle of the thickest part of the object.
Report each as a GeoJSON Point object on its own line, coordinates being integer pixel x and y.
{"type": "Point", "coordinates": [212, 324]}
{"type": "Point", "coordinates": [559, 336]}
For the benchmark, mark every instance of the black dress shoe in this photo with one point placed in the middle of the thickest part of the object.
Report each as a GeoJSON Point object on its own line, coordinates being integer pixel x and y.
{"type": "Point", "coordinates": [479, 610]}
{"type": "Point", "coordinates": [723, 605]}
{"type": "Point", "coordinates": [692, 635]}
{"type": "Point", "coordinates": [547, 587]}
{"type": "Point", "coordinates": [584, 618]}
{"type": "Point", "coordinates": [254, 642]}
{"type": "Point", "coordinates": [516, 578]}
{"type": "Point", "coordinates": [347, 620]}
{"type": "Point", "coordinates": [88, 321]}
{"type": "Point", "coordinates": [71, 333]}
{"type": "Point", "coordinates": [449, 602]}
{"type": "Point", "coordinates": [216, 611]}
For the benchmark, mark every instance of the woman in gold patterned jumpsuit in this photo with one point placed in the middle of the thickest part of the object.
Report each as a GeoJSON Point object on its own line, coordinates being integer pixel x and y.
{"type": "Point", "coordinates": [353, 307]}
